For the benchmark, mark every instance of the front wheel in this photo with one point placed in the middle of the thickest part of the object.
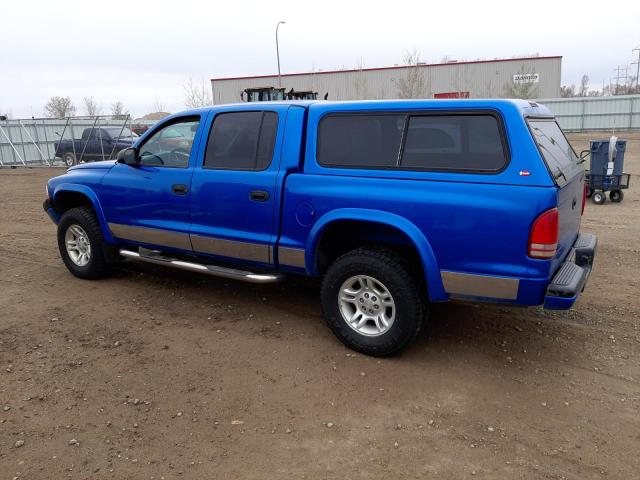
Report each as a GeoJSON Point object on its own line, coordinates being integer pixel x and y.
{"type": "Point", "coordinates": [81, 245]}
{"type": "Point", "coordinates": [372, 301]}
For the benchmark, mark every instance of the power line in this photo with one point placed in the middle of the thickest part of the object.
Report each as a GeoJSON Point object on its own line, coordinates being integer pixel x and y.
{"type": "Point", "coordinates": [619, 76]}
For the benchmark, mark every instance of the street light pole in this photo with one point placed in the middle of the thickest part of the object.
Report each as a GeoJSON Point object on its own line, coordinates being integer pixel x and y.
{"type": "Point", "coordinates": [278, 53]}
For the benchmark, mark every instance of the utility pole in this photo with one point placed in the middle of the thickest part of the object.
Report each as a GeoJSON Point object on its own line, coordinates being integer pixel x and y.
{"type": "Point", "coordinates": [278, 53]}
{"type": "Point", "coordinates": [637, 64]}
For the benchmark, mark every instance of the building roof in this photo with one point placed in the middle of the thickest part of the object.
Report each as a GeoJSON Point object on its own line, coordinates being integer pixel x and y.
{"type": "Point", "coordinates": [324, 72]}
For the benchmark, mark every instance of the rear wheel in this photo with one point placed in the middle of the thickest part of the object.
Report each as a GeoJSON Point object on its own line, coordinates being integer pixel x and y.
{"type": "Point", "coordinates": [598, 198]}
{"type": "Point", "coordinates": [616, 196]}
{"type": "Point", "coordinates": [81, 245]}
{"type": "Point", "coordinates": [589, 192]}
{"type": "Point", "coordinates": [69, 159]}
{"type": "Point", "coordinates": [372, 301]}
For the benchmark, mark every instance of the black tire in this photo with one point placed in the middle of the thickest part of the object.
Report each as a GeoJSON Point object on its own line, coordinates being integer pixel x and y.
{"type": "Point", "coordinates": [101, 255]}
{"type": "Point", "coordinates": [69, 159]}
{"type": "Point", "coordinates": [598, 198]}
{"type": "Point", "coordinates": [406, 289]}
{"type": "Point", "coordinates": [616, 196]}
{"type": "Point", "coordinates": [589, 192]}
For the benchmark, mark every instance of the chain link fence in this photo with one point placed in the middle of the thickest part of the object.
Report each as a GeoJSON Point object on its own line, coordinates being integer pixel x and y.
{"type": "Point", "coordinates": [44, 141]}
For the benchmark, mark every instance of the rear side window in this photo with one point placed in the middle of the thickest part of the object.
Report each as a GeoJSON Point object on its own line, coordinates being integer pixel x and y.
{"type": "Point", "coordinates": [558, 154]}
{"type": "Point", "coordinates": [449, 142]}
{"type": "Point", "coordinates": [360, 140]}
{"type": "Point", "coordinates": [241, 141]}
{"type": "Point", "coordinates": [412, 142]}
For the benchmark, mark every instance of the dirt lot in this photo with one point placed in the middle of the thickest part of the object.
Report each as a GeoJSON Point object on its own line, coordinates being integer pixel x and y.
{"type": "Point", "coordinates": [161, 374]}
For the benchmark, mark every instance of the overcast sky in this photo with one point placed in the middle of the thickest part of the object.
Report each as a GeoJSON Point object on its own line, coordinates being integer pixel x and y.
{"type": "Point", "coordinates": [143, 52]}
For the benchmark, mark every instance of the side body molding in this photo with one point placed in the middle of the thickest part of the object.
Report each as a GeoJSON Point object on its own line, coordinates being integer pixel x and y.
{"type": "Point", "coordinates": [90, 194]}
{"type": "Point", "coordinates": [430, 266]}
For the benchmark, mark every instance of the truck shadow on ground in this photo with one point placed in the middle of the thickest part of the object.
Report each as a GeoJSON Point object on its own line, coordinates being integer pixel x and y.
{"type": "Point", "coordinates": [452, 327]}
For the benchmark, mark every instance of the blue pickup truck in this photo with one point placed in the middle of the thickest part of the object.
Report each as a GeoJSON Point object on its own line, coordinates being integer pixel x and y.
{"type": "Point", "coordinates": [394, 204]}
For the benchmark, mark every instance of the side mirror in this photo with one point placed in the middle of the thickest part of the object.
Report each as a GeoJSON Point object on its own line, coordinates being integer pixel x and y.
{"type": "Point", "coordinates": [128, 156]}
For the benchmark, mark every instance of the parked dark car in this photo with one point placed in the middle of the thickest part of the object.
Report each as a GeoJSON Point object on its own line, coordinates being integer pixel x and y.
{"type": "Point", "coordinates": [95, 144]}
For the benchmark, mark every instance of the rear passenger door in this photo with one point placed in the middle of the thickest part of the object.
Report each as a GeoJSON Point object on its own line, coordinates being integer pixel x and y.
{"type": "Point", "coordinates": [233, 189]}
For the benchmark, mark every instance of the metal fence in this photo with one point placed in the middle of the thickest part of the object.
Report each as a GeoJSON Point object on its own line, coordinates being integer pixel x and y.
{"type": "Point", "coordinates": [33, 142]}
{"type": "Point", "coordinates": [621, 112]}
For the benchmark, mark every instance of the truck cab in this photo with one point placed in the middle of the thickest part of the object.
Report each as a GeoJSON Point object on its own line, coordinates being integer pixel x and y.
{"type": "Point", "coordinates": [394, 204]}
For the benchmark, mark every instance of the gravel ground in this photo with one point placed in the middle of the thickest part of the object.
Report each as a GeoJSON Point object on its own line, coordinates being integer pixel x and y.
{"type": "Point", "coordinates": [157, 374]}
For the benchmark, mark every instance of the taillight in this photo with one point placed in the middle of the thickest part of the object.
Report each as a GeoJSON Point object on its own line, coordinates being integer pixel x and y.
{"type": "Point", "coordinates": [543, 239]}
{"type": "Point", "coordinates": [584, 197]}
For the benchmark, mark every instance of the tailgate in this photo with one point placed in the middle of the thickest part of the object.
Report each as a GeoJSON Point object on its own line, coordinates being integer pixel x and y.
{"type": "Point", "coordinates": [568, 174]}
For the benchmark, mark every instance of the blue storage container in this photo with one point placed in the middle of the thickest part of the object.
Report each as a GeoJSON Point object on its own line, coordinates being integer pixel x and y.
{"type": "Point", "coordinates": [600, 157]}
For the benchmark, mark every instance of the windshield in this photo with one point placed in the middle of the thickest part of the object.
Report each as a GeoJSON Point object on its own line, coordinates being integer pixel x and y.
{"type": "Point", "coordinates": [119, 132]}
{"type": "Point", "coordinates": [561, 159]}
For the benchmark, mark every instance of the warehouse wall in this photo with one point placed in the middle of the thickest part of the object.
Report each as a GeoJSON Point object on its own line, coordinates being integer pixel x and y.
{"type": "Point", "coordinates": [484, 79]}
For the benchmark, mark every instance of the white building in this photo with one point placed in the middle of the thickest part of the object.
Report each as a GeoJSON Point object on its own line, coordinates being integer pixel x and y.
{"type": "Point", "coordinates": [538, 76]}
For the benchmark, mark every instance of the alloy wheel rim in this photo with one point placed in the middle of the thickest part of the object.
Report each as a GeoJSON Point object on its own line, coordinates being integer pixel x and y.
{"type": "Point", "coordinates": [366, 305]}
{"type": "Point", "coordinates": [78, 245]}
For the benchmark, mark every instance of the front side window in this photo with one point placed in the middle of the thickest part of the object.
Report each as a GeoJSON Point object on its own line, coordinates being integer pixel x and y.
{"type": "Point", "coordinates": [171, 145]}
{"type": "Point", "coordinates": [242, 141]}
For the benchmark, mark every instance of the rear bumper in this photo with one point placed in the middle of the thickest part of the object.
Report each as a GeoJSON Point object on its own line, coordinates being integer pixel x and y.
{"type": "Point", "coordinates": [48, 207]}
{"type": "Point", "coordinates": [571, 278]}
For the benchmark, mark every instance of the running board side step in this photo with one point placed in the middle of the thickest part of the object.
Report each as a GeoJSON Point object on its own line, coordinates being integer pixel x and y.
{"type": "Point", "coordinates": [152, 256]}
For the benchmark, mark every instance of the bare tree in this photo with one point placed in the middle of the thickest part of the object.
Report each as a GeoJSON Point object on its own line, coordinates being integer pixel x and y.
{"type": "Point", "coordinates": [118, 110]}
{"type": "Point", "coordinates": [628, 88]}
{"type": "Point", "coordinates": [584, 85]}
{"type": "Point", "coordinates": [91, 106]}
{"type": "Point", "coordinates": [195, 95]}
{"type": "Point", "coordinates": [360, 84]}
{"type": "Point", "coordinates": [568, 91]}
{"type": "Point", "coordinates": [412, 84]}
{"type": "Point", "coordinates": [158, 106]}
{"type": "Point", "coordinates": [59, 107]}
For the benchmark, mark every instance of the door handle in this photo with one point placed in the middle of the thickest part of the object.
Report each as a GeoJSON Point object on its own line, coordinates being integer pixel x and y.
{"type": "Point", "coordinates": [259, 196]}
{"type": "Point", "coordinates": [179, 189]}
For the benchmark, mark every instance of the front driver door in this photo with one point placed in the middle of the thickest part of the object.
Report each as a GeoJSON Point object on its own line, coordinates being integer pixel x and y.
{"type": "Point", "coordinates": [149, 204]}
